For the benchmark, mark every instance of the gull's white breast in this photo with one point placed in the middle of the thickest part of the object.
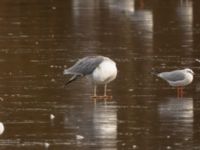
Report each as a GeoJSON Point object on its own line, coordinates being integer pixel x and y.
{"type": "Point", "coordinates": [105, 72]}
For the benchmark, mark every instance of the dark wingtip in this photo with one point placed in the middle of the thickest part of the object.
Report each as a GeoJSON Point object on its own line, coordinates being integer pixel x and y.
{"type": "Point", "coordinates": [68, 82]}
{"type": "Point", "coordinates": [73, 78]}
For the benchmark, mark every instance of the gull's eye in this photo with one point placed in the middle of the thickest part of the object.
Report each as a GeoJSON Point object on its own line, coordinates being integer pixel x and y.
{"type": "Point", "coordinates": [189, 71]}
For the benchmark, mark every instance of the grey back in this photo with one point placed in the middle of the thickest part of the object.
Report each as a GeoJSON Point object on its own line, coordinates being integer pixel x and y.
{"type": "Point", "coordinates": [85, 66]}
{"type": "Point", "coordinates": [173, 76]}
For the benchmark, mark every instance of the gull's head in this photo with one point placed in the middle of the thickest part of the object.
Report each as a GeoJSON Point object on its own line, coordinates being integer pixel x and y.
{"type": "Point", "coordinates": [187, 70]}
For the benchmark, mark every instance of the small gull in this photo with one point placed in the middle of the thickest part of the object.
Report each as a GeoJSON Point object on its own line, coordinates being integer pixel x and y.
{"type": "Point", "coordinates": [178, 78]}
{"type": "Point", "coordinates": [1, 128]}
{"type": "Point", "coordinates": [100, 69]}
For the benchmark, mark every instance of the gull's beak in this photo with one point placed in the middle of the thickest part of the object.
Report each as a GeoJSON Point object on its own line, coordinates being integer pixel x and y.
{"type": "Point", "coordinates": [192, 73]}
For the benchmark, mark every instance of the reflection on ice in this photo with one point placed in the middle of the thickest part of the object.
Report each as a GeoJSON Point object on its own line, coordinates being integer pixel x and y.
{"type": "Point", "coordinates": [105, 121]}
{"type": "Point", "coordinates": [105, 124]}
{"type": "Point", "coordinates": [144, 18]}
{"type": "Point", "coordinates": [176, 121]}
{"type": "Point", "coordinates": [185, 12]}
{"type": "Point", "coordinates": [176, 109]}
{"type": "Point", "coordinates": [93, 124]}
{"type": "Point", "coordinates": [128, 6]}
{"type": "Point", "coordinates": [176, 118]}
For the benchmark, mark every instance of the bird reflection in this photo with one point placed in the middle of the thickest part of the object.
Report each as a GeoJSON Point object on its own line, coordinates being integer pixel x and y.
{"type": "Point", "coordinates": [129, 5]}
{"type": "Point", "coordinates": [125, 6]}
{"type": "Point", "coordinates": [185, 11]}
{"type": "Point", "coordinates": [105, 124]}
{"type": "Point", "coordinates": [93, 124]}
{"type": "Point", "coordinates": [147, 19]}
{"type": "Point", "coordinates": [176, 116]}
{"type": "Point", "coordinates": [173, 108]}
{"type": "Point", "coordinates": [185, 16]}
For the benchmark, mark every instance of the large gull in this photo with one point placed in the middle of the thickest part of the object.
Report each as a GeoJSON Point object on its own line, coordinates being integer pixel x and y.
{"type": "Point", "coordinates": [99, 69]}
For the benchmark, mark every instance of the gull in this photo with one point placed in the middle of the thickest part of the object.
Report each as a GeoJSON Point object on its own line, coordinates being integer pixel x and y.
{"type": "Point", "coordinates": [99, 69]}
{"type": "Point", "coordinates": [178, 78]}
{"type": "Point", "coordinates": [2, 128]}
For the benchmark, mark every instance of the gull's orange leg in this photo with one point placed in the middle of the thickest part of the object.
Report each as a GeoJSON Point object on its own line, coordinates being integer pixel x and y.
{"type": "Point", "coordinates": [101, 97]}
{"type": "Point", "coordinates": [178, 92]}
{"type": "Point", "coordinates": [105, 93]}
{"type": "Point", "coordinates": [105, 90]}
{"type": "Point", "coordinates": [182, 92]}
{"type": "Point", "coordinates": [95, 92]}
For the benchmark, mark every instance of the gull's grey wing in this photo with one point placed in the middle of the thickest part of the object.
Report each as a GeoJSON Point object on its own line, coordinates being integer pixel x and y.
{"type": "Point", "coordinates": [172, 76]}
{"type": "Point", "coordinates": [85, 65]}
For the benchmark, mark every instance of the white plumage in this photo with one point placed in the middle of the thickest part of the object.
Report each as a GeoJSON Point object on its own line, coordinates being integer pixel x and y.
{"type": "Point", "coordinates": [178, 78]}
{"type": "Point", "coordinates": [1, 128]}
{"type": "Point", "coordinates": [99, 69]}
{"type": "Point", "coordinates": [105, 72]}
